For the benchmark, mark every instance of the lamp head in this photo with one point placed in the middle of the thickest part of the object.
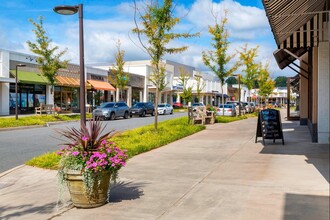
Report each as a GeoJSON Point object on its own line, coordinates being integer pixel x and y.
{"type": "Point", "coordinates": [66, 9]}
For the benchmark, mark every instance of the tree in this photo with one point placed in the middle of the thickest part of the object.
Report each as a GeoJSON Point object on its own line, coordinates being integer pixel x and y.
{"type": "Point", "coordinates": [250, 67]}
{"type": "Point", "coordinates": [187, 90]}
{"type": "Point", "coordinates": [200, 85]}
{"type": "Point", "coordinates": [280, 81]}
{"type": "Point", "coordinates": [231, 80]}
{"type": "Point", "coordinates": [218, 59]}
{"type": "Point", "coordinates": [266, 84]}
{"type": "Point", "coordinates": [119, 78]}
{"type": "Point", "coordinates": [48, 59]}
{"type": "Point", "coordinates": [158, 22]}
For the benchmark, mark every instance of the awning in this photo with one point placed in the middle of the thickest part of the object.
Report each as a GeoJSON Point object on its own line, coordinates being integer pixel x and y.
{"type": "Point", "coordinates": [101, 85]}
{"type": "Point", "coordinates": [220, 95]}
{"type": "Point", "coordinates": [7, 80]}
{"type": "Point", "coordinates": [296, 23]}
{"type": "Point", "coordinates": [30, 77]}
{"type": "Point", "coordinates": [67, 81]}
{"type": "Point", "coordinates": [285, 57]}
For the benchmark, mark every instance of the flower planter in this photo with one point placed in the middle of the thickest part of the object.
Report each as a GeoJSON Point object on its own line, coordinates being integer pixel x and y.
{"type": "Point", "coordinates": [79, 197]}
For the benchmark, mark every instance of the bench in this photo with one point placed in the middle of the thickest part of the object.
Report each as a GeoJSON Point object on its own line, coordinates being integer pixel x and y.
{"type": "Point", "coordinates": [200, 116]}
{"type": "Point", "coordinates": [44, 108]}
{"type": "Point", "coordinates": [209, 116]}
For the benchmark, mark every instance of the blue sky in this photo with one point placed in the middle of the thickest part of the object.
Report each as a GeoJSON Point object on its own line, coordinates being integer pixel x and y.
{"type": "Point", "coordinates": [106, 21]}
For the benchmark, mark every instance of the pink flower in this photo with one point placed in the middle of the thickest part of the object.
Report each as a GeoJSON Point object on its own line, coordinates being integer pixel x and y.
{"type": "Point", "coordinates": [84, 138]}
{"type": "Point", "coordinates": [75, 153]}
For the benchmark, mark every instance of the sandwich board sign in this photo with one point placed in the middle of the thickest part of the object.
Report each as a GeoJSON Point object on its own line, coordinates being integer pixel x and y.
{"type": "Point", "coordinates": [269, 125]}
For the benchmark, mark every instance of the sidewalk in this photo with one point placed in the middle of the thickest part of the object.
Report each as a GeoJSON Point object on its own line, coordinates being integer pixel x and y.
{"type": "Point", "coordinates": [219, 173]}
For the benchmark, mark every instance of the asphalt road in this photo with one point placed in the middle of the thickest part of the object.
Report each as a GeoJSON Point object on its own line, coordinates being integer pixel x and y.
{"type": "Point", "coordinates": [20, 145]}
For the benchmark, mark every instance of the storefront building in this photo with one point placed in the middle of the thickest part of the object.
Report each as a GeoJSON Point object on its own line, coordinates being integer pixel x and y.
{"type": "Point", "coordinates": [35, 90]}
{"type": "Point", "coordinates": [301, 31]}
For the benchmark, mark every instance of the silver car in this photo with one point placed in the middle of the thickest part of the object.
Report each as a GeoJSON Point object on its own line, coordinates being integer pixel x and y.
{"type": "Point", "coordinates": [111, 110]}
{"type": "Point", "coordinates": [229, 110]}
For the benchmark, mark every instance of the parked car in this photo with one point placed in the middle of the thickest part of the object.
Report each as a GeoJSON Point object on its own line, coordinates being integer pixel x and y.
{"type": "Point", "coordinates": [177, 105]}
{"type": "Point", "coordinates": [229, 110]}
{"type": "Point", "coordinates": [164, 109]}
{"type": "Point", "coordinates": [196, 105]}
{"type": "Point", "coordinates": [142, 109]}
{"type": "Point", "coordinates": [236, 103]}
{"type": "Point", "coordinates": [247, 107]}
{"type": "Point", "coordinates": [253, 106]}
{"type": "Point", "coordinates": [111, 110]}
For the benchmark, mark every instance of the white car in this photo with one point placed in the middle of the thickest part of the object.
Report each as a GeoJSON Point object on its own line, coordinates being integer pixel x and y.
{"type": "Point", "coordinates": [164, 109]}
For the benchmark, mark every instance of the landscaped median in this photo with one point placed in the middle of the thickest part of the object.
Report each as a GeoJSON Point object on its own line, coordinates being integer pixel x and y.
{"type": "Point", "coordinates": [38, 120]}
{"type": "Point", "coordinates": [135, 141]}
{"type": "Point", "coordinates": [142, 139]}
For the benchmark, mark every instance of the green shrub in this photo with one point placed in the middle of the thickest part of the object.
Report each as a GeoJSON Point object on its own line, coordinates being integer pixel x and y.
{"type": "Point", "coordinates": [48, 161]}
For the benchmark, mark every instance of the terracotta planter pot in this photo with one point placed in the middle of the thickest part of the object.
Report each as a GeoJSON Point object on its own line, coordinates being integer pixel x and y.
{"type": "Point", "coordinates": [79, 198]}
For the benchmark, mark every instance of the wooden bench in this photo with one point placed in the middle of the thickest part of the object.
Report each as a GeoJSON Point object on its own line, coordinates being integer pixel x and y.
{"type": "Point", "coordinates": [44, 108]}
{"type": "Point", "coordinates": [209, 116]}
{"type": "Point", "coordinates": [201, 116]}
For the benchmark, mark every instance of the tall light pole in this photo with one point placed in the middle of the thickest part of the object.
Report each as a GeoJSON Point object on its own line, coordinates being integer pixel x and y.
{"type": "Point", "coordinates": [16, 94]}
{"type": "Point", "coordinates": [70, 10]}
{"type": "Point", "coordinates": [239, 93]}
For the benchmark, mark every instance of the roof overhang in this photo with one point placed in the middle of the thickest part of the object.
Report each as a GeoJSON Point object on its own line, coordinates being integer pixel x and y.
{"type": "Point", "coordinates": [287, 17]}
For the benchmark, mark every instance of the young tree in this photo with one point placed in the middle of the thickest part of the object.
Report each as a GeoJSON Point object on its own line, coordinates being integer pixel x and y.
{"type": "Point", "coordinates": [187, 90]}
{"type": "Point", "coordinates": [231, 80]}
{"type": "Point", "coordinates": [280, 81]}
{"type": "Point", "coordinates": [158, 22]}
{"type": "Point", "coordinates": [200, 85]}
{"type": "Point", "coordinates": [250, 67]}
{"type": "Point", "coordinates": [48, 59]}
{"type": "Point", "coordinates": [266, 84]}
{"type": "Point", "coordinates": [218, 59]}
{"type": "Point", "coordinates": [118, 76]}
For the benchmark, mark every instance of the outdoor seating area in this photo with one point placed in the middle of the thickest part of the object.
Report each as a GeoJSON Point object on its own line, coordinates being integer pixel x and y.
{"type": "Point", "coordinates": [201, 115]}
{"type": "Point", "coordinates": [44, 109]}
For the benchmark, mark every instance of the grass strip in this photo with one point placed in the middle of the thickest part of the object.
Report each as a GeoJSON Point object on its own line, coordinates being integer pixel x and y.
{"type": "Point", "coordinates": [37, 120]}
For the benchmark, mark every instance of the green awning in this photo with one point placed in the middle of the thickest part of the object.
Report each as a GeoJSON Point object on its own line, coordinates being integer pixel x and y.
{"type": "Point", "coordinates": [30, 77]}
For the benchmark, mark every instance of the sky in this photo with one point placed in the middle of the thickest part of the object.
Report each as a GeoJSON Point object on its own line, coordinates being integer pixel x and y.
{"type": "Point", "coordinates": [107, 21]}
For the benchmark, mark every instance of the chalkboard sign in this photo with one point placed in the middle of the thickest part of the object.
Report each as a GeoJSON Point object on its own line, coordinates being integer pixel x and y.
{"type": "Point", "coordinates": [269, 125]}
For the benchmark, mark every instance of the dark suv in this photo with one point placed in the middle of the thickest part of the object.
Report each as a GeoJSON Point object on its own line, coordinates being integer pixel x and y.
{"type": "Point", "coordinates": [111, 110]}
{"type": "Point", "coordinates": [142, 108]}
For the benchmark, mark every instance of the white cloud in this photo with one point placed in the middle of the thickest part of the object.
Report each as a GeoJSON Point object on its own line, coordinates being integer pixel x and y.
{"type": "Point", "coordinates": [246, 24]}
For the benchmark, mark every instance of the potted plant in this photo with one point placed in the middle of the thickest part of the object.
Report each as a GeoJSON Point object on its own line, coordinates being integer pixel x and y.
{"type": "Point", "coordinates": [88, 162]}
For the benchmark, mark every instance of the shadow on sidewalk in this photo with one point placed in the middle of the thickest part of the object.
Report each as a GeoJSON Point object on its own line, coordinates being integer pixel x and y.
{"type": "Point", "coordinates": [306, 207]}
{"type": "Point", "coordinates": [125, 191]}
{"type": "Point", "coordinates": [23, 210]}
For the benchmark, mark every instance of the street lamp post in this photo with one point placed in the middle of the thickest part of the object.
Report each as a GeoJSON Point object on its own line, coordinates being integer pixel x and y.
{"type": "Point", "coordinates": [239, 93]}
{"type": "Point", "coordinates": [70, 10]}
{"type": "Point", "coordinates": [16, 93]}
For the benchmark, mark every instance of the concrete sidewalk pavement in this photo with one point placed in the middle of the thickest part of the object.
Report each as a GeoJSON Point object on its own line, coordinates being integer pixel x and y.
{"type": "Point", "coordinates": [219, 173]}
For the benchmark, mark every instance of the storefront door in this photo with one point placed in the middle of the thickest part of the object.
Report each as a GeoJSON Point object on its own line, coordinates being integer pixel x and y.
{"type": "Point", "coordinates": [66, 101]}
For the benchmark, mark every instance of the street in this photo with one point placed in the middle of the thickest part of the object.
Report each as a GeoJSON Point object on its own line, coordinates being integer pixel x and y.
{"type": "Point", "coordinates": [19, 145]}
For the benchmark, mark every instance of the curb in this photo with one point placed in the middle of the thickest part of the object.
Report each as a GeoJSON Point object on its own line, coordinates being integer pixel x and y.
{"type": "Point", "coordinates": [11, 170]}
